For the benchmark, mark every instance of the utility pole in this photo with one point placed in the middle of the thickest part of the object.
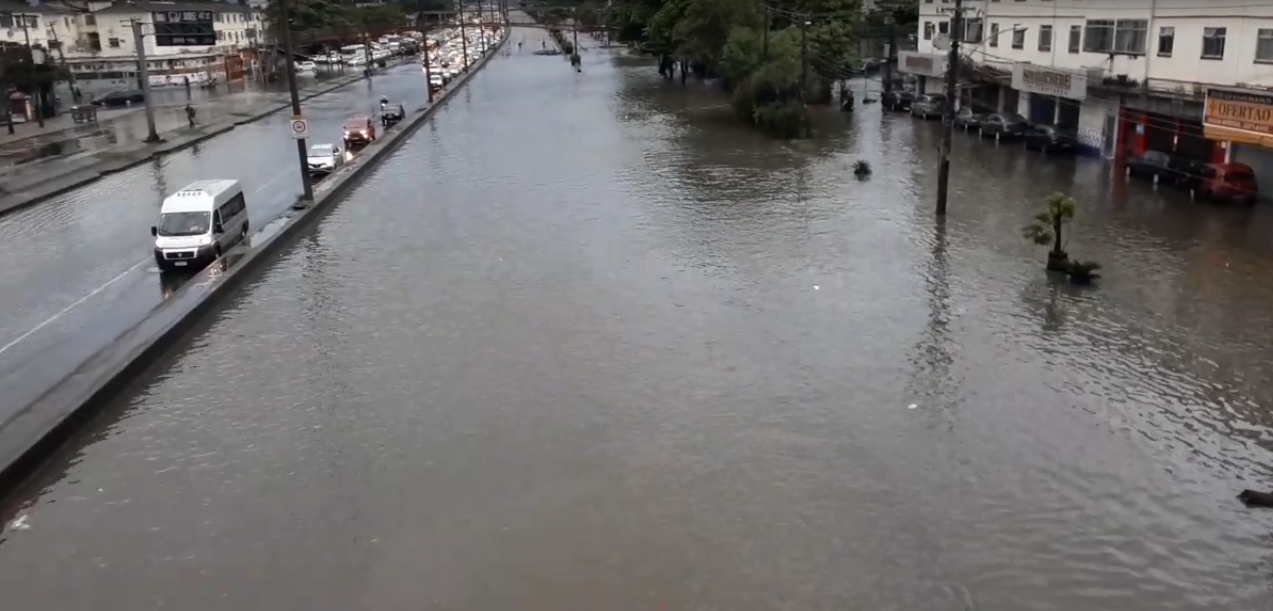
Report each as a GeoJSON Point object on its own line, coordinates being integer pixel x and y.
{"type": "Point", "coordinates": [481, 18]}
{"type": "Point", "coordinates": [948, 117]}
{"type": "Point", "coordinates": [285, 24]}
{"type": "Point", "coordinates": [890, 57]}
{"type": "Point", "coordinates": [428, 71]}
{"type": "Point", "coordinates": [144, 74]}
{"type": "Point", "coordinates": [464, 36]}
{"type": "Point", "coordinates": [39, 94]}
{"type": "Point", "coordinates": [804, 58]}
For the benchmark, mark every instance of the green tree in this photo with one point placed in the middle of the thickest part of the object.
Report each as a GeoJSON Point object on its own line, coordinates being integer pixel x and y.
{"type": "Point", "coordinates": [309, 16]}
{"type": "Point", "coordinates": [704, 27]}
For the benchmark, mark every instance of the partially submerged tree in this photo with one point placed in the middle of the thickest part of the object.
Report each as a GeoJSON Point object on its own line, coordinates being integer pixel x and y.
{"type": "Point", "coordinates": [1049, 228]}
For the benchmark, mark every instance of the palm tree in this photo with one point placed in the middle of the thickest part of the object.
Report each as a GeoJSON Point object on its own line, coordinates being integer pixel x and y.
{"type": "Point", "coordinates": [1049, 227]}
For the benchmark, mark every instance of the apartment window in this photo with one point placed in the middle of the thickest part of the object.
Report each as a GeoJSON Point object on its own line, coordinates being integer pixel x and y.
{"type": "Point", "coordinates": [1018, 36]}
{"type": "Point", "coordinates": [972, 31]}
{"type": "Point", "coordinates": [114, 43]}
{"type": "Point", "coordinates": [1129, 36]}
{"type": "Point", "coordinates": [928, 30]}
{"type": "Point", "coordinates": [1076, 38]}
{"type": "Point", "coordinates": [994, 35]}
{"type": "Point", "coordinates": [1166, 41]}
{"type": "Point", "coordinates": [1045, 38]}
{"type": "Point", "coordinates": [1098, 36]}
{"type": "Point", "coordinates": [90, 20]}
{"type": "Point", "coordinates": [1213, 43]}
{"type": "Point", "coordinates": [943, 27]}
{"type": "Point", "coordinates": [1264, 46]}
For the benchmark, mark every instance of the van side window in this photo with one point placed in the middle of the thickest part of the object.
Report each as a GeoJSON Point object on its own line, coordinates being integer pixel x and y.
{"type": "Point", "coordinates": [233, 207]}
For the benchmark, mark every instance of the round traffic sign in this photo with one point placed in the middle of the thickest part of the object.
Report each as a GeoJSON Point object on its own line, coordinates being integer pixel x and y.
{"type": "Point", "coordinates": [300, 127]}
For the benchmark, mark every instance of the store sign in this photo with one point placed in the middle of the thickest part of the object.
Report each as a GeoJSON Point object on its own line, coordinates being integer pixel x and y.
{"type": "Point", "coordinates": [1242, 111]}
{"type": "Point", "coordinates": [1049, 81]}
{"type": "Point", "coordinates": [184, 29]}
{"type": "Point", "coordinates": [922, 64]}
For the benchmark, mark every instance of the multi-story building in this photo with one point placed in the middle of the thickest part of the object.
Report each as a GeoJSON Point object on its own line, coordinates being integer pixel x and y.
{"type": "Point", "coordinates": [183, 41]}
{"type": "Point", "coordinates": [1190, 78]}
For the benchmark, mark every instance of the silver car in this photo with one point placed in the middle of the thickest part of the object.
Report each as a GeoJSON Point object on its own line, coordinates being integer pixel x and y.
{"type": "Point", "coordinates": [324, 158]}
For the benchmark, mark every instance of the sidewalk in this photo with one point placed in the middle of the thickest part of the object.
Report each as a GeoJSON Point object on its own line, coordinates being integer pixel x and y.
{"type": "Point", "coordinates": [61, 160]}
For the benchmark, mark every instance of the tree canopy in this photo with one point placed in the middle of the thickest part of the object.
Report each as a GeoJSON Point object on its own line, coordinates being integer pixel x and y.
{"type": "Point", "coordinates": [313, 16]}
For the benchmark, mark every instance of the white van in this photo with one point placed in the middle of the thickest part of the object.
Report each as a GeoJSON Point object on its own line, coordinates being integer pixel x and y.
{"type": "Point", "coordinates": [198, 223]}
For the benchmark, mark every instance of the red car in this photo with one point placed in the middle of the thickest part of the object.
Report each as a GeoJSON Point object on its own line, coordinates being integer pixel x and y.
{"type": "Point", "coordinates": [359, 130]}
{"type": "Point", "coordinates": [1228, 182]}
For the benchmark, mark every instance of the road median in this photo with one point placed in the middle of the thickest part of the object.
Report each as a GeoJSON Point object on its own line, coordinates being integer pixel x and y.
{"type": "Point", "coordinates": [39, 429]}
{"type": "Point", "coordinates": [32, 188]}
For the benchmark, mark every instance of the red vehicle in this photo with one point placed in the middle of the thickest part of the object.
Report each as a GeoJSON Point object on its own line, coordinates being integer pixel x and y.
{"type": "Point", "coordinates": [1228, 182]}
{"type": "Point", "coordinates": [359, 130]}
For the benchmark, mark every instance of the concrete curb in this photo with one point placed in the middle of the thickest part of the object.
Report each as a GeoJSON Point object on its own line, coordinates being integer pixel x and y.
{"type": "Point", "coordinates": [39, 430]}
{"type": "Point", "coordinates": [79, 178]}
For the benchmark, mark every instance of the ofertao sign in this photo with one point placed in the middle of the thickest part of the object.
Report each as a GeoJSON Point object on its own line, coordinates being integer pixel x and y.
{"type": "Point", "coordinates": [1240, 116]}
{"type": "Point", "coordinates": [300, 128]}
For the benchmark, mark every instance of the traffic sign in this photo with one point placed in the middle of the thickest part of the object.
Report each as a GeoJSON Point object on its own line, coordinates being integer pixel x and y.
{"type": "Point", "coordinates": [300, 128]}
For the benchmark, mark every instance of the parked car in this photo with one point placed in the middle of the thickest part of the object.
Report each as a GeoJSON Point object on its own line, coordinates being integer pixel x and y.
{"type": "Point", "coordinates": [391, 113]}
{"type": "Point", "coordinates": [359, 130]}
{"type": "Point", "coordinates": [1051, 139]}
{"type": "Point", "coordinates": [116, 99]}
{"type": "Point", "coordinates": [1229, 182]}
{"type": "Point", "coordinates": [1188, 173]}
{"type": "Point", "coordinates": [324, 158]}
{"type": "Point", "coordinates": [898, 100]}
{"type": "Point", "coordinates": [932, 105]}
{"type": "Point", "coordinates": [967, 119]}
{"type": "Point", "coordinates": [1005, 126]}
{"type": "Point", "coordinates": [1153, 164]}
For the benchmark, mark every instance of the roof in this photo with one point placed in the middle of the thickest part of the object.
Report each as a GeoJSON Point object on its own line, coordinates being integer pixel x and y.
{"type": "Point", "coordinates": [22, 8]}
{"type": "Point", "coordinates": [164, 7]}
{"type": "Point", "coordinates": [198, 195]}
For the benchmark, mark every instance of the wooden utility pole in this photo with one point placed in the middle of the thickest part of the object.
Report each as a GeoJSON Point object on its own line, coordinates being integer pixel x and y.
{"type": "Point", "coordinates": [948, 118]}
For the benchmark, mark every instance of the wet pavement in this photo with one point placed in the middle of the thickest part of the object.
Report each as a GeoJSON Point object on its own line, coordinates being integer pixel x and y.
{"type": "Point", "coordinates": [585, 343]}
{"type": "Point", "coordinates": [78, 270]}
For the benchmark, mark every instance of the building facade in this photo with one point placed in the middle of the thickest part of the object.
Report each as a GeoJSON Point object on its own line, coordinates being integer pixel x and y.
{"type": "Point", "coordinates": [1127, 75]}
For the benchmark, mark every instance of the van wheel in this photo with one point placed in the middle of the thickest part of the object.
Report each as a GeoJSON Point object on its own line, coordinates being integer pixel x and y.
{"type": "Point", "coordinates": [216, 252]}
{"type": "Point", "coordinates": [243, 235]}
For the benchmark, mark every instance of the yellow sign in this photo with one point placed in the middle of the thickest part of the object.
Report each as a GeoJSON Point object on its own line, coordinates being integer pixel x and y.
{"type": "Point", "coordinates": [1239, 116]}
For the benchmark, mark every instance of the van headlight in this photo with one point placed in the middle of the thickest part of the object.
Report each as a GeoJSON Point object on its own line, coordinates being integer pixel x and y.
{"type": "Point", "coordinates": [205, 240]}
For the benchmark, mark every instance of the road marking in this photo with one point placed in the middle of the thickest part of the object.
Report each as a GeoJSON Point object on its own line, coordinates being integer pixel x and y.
{"type": "Point", "coordinates": [67, 309]}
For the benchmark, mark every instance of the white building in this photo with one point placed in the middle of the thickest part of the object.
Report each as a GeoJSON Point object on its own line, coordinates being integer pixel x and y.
{"type": "Point", "coordinates": [194, 41]}
{"type": "Point", "coordinates": [1131, 75]}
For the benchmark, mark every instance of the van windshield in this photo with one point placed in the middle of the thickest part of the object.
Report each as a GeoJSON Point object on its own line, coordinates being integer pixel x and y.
{"type": "Point", "coordinates": [176, 224]}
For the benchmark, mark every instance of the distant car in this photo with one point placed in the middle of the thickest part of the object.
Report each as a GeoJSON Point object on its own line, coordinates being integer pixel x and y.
{"type": "Point", "coordinates": [324, 158]}
{"type": "Point", "coordinates": [1233, 183]}
{"type": "Point", "coordinates": [1007, 126]}
{"type": "Point", "coordinates": [932, 105]}
{"type": "Point", "coordinates": [359, 130]}
{"type": "Point", "coordinates": [306, 66]}
{"type": "Point", "coordinates": [1152, 164]}
{"type": "Point", "coordinates": [391, 113]}
{"type": "Point", "coordinates": [116, 99]}
{"type": "Point", "coordinates": [1051, 139]}
{"type": "Point", "coordinates": [436, 81]}
{"type": "Point", "coordinates": [898, 100]}
{"type": "Point", "coordinates": [967, 119]}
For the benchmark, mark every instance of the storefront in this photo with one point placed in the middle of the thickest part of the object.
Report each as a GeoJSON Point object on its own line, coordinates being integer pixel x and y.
{"type": "Point", "coordinates": [1243, 121]}
{"type": "Point", "coordinates": [928, 68]}
{"type": "Point", "coordinates": [1168, 125]}
{"type": "Point", "coordinates": [1056, 96]}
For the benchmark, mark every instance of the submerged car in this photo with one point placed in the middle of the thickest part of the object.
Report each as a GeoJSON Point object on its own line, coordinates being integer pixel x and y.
{"type": "Point", "coordinates": [1005, 125]}
{"type": "Point", "coordinates": [898, 100]}
{"type": "Point", "coordinates": [932, 105]}
{"type": "Point", "coordinates": [1051, 139]}
{"type": "Point", "coordinates": [967, 119]}
{"type": "Point", "coordinates": [359, 130]}
{"type": "Point", "coordinates": [324, 158]}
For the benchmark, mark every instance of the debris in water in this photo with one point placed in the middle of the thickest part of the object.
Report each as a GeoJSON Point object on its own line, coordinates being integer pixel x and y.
{"type": "Point", "coordinates": [913, 406]}
{"type": "Point", "coordinates": [20, 523]}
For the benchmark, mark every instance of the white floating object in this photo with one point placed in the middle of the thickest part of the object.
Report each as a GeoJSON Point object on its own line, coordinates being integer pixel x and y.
{"type": "Point", "coordinates": [20, 523]}
{"type": "Point", "coordinates": [815, 287]}
{"type": "Point", "coordinates": [913, 406]}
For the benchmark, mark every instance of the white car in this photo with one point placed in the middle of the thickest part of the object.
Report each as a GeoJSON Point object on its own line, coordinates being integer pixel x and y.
{"type": "Point", "coordinates": [324, 158]}
{"type": "Point", "coordinates": [306, 67]}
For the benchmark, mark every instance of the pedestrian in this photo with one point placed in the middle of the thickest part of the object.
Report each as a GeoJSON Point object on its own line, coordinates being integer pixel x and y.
{"type": "Point", "coordinates": [190, 114]}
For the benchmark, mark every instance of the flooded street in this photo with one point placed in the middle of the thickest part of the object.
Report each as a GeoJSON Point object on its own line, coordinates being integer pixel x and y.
{"type": "Point", "coordinates": [583, 342]}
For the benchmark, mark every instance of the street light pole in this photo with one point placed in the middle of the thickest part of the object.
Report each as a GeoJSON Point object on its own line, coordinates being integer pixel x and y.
{"type": "Point", "coordinates": [39, 95]}
{"type": "Point", "coordinates": [428, 71]}
{"type": "Point", "coordinates": [804, 59]}
{"type": "Point", "coordinates": [285, 27]}
{"type": "Point", "coordinates": [144, 74]}
{"type": "Point", "coordinates": [890, 57]}
{"type": "Point", "coordinates": [948, 117]}
{"type": "Point", "coordinates": [464, 37]}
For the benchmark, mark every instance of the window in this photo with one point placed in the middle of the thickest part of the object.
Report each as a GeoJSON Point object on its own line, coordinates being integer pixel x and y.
{"type": "Point", "coordinates": [1076, 38]}
{"type": "Point", "coordinates": [114, 43]}
{"type": "Point", "coordinates": [1264, 45]}
{"type": "Point", "coordinates": [1213, 43]}
{"type": "Point", "coordinates": [90, 20]}
{"type": "Point", "coordinates": [1018, 36]}
{"type": "Point", "coordinates": [1166, 41]}
{"type": "Point", "coordinates": [972, 31]}
{"type": "Point", "coordinates": [1098, 36]}
{"type": "Point", "coordinates": [994, 35]}
{"type": "Point", "coordinates": [928, 30]}
{"type": "Point", "coordinates": [1129, 36]}
{"type": "Point", "coordinates": [1045, 38]}
{"type": "Point", "coordinates": [943, 27]}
